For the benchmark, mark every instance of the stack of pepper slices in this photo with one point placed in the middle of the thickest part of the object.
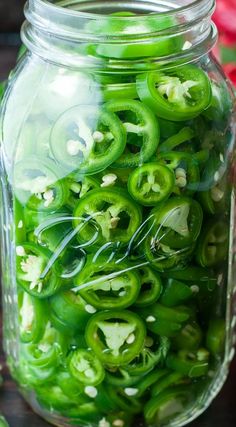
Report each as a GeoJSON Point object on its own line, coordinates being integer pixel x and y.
{"type": "Point", "coordinates": [121, 229]}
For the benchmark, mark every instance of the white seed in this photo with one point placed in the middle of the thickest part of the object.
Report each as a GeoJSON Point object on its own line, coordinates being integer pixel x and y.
{"type": "Point", "coordinates": [20, 224]}
{"type": "Point", "coordinates": [122, 293]}
{"type": "Point", "coordinates": [216, 176]}
{"type": "Point", "coordinates": [48, 197]}
{"type": "Point", "coordinates": [195, 289]}
{"type": "Point", "coordinates": [40, 287]}
{"type": "Point", "coordinates": [150, 319]}
{"type": "Point", "coordinates": [91, 391]}
{"type": "Point", "coordinates": [217, 194]}
{"type": "Point", "coordinates": [98, 136]}
{"type": "Point", "coordinates": [219, 279]}
{"type": "Point", "coordinates": [221, 158]}
{"type": "Point", "coordinates": [73, 147]}
{"type": "Point", "coordinates": [108, 180]}
{"type": "Point", "coordinates": [89, 373]}
{"type": "Point", "coordinates": [90, 309]}
{"type": "Point", "coordinates": [181, 182]}
{"type": "Point", "coordinates": [130, 339]}
{"type": "Point", "coordinates": [20, 251]}
{"type": "Point", "coordinates": [131, 391]}
{"type": "Point", "coordinates": [187, 45]}
{"type": "Point", "coordinates": [104, 423]}
{"type": "Point", "coordinates": [118, 423]}
{"type": "Point", "coordinates": [180, 172]}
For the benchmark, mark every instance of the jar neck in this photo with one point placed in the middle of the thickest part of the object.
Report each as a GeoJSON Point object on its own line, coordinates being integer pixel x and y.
{"type": "Point", "coordinates": [68, 32]}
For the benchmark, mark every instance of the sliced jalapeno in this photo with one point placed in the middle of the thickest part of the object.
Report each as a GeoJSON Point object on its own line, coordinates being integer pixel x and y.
{"type": "Point", "coordinates": [71, 309]}
{"type": "Point", "coordinates": [86, 367]}
{"type": "Point", "coordinates": [109, 335]}
{"type": "Point", "coordinates": [142, 129]}
{"type": "Point", "coordinates": [192, 364]}
{"type": "Point", "coordinates": [32, 318]}
{"type": "Point", "coordinates": [87, 139]}
{"type": "Point", "coordinates": [177, 94]}
{"type": "Point", "coordinates": [213, 244]}
{"type": "Point", "coordinates": [186, 171]}
{"type": "Point", "coordinates": [108, 212]}
{"type": "Point", "coordinates": [151, 287]}
{"type": "Point", "coordinates": [103, 289]}
{"type": "Point", "coordinates": [33, 273]}
{"type": "Point", "coordinates": [151, 184]}
{"type": "Point", "coordinates": [37, 184]}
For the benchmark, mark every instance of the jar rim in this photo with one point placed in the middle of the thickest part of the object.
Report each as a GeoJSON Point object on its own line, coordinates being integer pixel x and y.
{"type": "Point", "coordinates": [58, 7]}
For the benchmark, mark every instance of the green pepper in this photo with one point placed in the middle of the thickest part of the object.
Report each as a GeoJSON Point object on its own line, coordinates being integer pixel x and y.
{"type": "Point", "coordinates": [87, 139]}
{"type": "Point", "coordinates": [33, 273]}
{"type": "Point", "coordinates": [151, 184]}
{"type": "Point", "coordinates": [192, 364]}
{"type": "Point", "coordinates": [37, 184]}
{"type": "Point", "coordinates": [32, 318]}
{"type": "Point", "coordinates": [143, 133]}
{"type": "Point", "coordinates": [186, 171]}
{"type": "Point", "coordinates": [177, 222]}
{"type": "Point", "coordinates": [109, 213]}
{"type": "Point", "coordinates": [113, 91]}
{"type": "Point", "coordinates": [212, 247]}
{"type": "Point", "coordinates": [189, 338]}
{"type": "Point", "coordinates": [176, 94]}
{"type": "Point", "coordinates": [104, 289]}
{"type": "Point", "coordinates": [175, 293]}
{"type": "Point", "coordinates": [168, 405]}
{"type": "Point", "coordinates": [151, 287]}
{"type": "Point", "coordinates": [164, 321]}
{"type": "Point", "coordinates": [124, 25]}
{"type": "Point", "coordinates": [216, 336]}
{"type": "Point", "coordinates": [149, 358]}
{"type": "Point", "coordinates": [86, 367]}
{"type": "Point", "coordinates": [184, 135]}
{"type": "Point", "coordinates": [71, 309]}
{"type": "Point", "coordinates": [166, 381]}
{"type": "Point", "coordinates": [116, 337]}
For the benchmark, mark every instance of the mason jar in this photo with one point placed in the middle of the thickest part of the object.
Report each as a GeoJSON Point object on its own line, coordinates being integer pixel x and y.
{"type": "Point", "coordinates": [118, 213]}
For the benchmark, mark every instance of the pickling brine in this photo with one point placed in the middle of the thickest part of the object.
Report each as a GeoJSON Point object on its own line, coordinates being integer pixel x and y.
{"type": "Point", "coordinates": [118, 213]}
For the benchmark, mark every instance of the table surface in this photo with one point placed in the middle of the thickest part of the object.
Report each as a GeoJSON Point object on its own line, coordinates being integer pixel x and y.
{"type": "Point", "coordinates": [222, 413]}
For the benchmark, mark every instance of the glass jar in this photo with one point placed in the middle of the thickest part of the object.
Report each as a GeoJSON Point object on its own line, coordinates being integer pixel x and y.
{"type": "Point", "coordinates": [118, 213]}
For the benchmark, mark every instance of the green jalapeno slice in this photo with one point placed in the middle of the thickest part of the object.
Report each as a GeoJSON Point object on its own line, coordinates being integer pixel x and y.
{"type": "Point", "coordinates": [186, 171]}
{"type": "Point", "coordinates": [32, 318]}
{"type": "Point", "coordinates": [164, 321]}
{"type": "Point", "coordinates": [37, 185]}
{"type": "Point", "coordinates": [116, 337]}
{"type": "Point", "coordinates": [178, 222]}
{"type": "Point", "coordinates": [87, 139]}
{"type": "Point", "coordinates": [86, 367]}
{"type": "Point", "coordinates": [71, 309]}
{"type": "Point", "coordinates": [104, 289]}
{"type": "Point", "coordinates": [108, 212]}
{"type": "Point", "coordinates": [216, 336]}
{"type": "Point", "coordinates": [212, 247]}
{"type": "Point", "coordinates": [142, 129]}
{"type": "Point", "coordinates": [168, 405]}
{"type": "Point", "coordinates": [33, 273]}
{"type": "Point", "coordinates": [151, 184]}
{"type": "Point", "coordinates": [192, 364]}
{"type": "Point", "coordinates": [177, 95]}
{"type": "Point", "coordinates": [151, 287]}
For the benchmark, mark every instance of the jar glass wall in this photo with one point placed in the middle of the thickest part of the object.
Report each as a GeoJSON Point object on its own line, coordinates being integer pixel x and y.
{"type": "Point", "coordinates": [118, 213]}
